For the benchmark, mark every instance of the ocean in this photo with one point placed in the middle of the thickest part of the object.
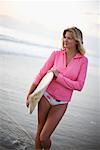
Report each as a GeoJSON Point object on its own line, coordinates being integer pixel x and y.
{"type": "Point", "coordinates": [36, 45]}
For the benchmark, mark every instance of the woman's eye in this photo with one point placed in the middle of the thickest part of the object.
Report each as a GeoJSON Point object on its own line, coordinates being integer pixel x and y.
{"type": "Point", "coordinates": [69, 38]}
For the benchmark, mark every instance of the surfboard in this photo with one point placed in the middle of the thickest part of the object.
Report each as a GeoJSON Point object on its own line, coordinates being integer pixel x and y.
{"type": "Point", "coordinates": [39, 91]}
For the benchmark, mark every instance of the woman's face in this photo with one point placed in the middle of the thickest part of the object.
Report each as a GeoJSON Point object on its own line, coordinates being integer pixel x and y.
{"type": "Point", "coordinates": [68, 41]}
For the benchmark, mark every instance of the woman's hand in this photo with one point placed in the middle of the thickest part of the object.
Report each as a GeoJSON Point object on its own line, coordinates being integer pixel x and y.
{"type": "Point", "coordinates": [32, 89]}
{"type": "Point", "coordinates": [27, 100]}
{"type": "Point", "coordinates": [56, 72]}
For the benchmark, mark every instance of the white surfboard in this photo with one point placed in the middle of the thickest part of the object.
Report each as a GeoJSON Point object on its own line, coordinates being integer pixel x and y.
{"type": "Point", "coordinates": [39, 91]}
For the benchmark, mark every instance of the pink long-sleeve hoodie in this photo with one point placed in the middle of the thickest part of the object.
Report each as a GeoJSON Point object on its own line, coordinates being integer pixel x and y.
{"type": "Point", "coordinates": [71, 77]}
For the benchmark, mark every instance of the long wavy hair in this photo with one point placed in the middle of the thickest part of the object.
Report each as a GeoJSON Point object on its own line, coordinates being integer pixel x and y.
{"type": "Point", "coordinates": [78, 37]}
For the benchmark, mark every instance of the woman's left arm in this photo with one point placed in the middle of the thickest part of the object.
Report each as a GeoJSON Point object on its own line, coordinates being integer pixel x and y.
{"type": "Point", "coordinates": [74, 85]}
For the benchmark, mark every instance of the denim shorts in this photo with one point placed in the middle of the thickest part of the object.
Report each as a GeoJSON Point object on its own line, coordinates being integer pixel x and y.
{"type": "Point", "coordinates": [53, 101]}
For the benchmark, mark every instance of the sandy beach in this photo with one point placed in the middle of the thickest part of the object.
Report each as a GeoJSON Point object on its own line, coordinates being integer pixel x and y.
{"type": "Point", "coordinates": [78, 130]}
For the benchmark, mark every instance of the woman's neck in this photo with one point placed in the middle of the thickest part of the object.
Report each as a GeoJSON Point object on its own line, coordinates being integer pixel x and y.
{"type": "Point", "coordinates": [71, 52]}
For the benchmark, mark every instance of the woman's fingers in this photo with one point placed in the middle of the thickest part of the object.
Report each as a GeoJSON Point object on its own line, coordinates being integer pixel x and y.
{"type": "Point", "coordinates": [56, 72]}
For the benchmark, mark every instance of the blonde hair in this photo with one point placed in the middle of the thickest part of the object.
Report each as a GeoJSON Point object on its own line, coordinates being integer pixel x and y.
{"type": "Point", "coordinates": [78, 37]}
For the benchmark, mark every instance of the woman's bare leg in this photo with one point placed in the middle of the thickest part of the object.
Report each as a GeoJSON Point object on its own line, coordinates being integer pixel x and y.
{"type": "Point", "coordinates": [43, 109]}
{"type": "Point", "coordinates": [54, 116]}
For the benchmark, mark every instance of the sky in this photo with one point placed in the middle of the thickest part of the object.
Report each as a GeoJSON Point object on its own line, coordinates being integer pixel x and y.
{"type": "Point", "coordinates": [56, 15]}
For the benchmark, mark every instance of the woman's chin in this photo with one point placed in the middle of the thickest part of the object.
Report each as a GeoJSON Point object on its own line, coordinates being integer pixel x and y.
{"type": "Point", "coordinates": [65, 46]}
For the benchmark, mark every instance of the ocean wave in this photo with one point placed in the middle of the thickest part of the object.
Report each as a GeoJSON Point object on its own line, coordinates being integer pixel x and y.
{"type": "Point", "coordinates": [12, 45]}
{"type": "Point", "coordinates": [13, 39]}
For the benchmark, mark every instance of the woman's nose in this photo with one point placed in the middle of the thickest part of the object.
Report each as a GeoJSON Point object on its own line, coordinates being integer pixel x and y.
{"type": "Point", "coordinates": [65, 39]}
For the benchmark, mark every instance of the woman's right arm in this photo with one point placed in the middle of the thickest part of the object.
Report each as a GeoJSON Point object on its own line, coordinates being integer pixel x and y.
{"type": "Point", "coordinates": [48, 65]}
{"type": "Point", "coordinates": [31, 90]}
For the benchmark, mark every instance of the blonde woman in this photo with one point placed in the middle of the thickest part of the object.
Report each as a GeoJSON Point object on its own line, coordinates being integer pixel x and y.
{"type": "Point", "coordinates": [69, 66]}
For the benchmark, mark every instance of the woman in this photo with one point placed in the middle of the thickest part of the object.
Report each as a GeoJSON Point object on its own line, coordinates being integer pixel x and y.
{"type": "Point", "coordinates": [69, 66]}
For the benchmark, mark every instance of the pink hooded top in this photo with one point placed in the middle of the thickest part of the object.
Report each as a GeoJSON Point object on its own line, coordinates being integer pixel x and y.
{"type": "Point", "coordinates": [71, 77]}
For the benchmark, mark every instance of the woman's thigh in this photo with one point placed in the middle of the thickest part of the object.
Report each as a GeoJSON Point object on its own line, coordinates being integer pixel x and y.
{"type": "Point", "coordinates": [43, 109]}
{"type": "Point", "coordinates": [54, 116]}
